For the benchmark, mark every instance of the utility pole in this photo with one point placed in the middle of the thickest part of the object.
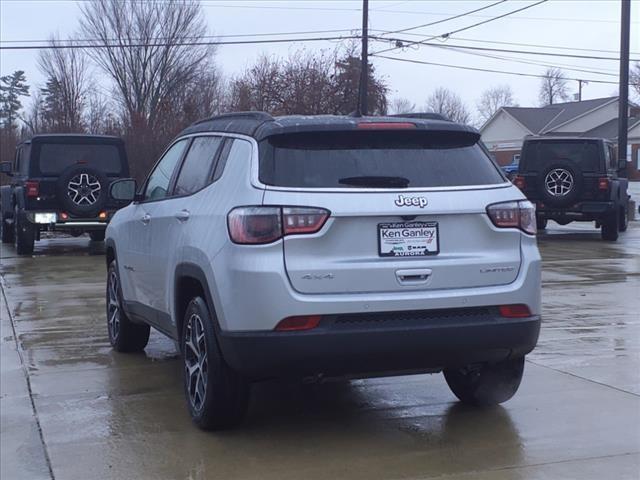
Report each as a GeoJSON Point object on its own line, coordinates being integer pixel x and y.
{"type": "Point", "coordinates": [364, 65]}
{"type": "Point", "coordinates": [580, 82]}
{"type": "Point", "coordinates": [623, 99]}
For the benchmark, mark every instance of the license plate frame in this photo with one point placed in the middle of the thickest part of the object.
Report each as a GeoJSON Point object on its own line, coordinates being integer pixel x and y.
{"type": "Point", "coordinates": [406, 241]}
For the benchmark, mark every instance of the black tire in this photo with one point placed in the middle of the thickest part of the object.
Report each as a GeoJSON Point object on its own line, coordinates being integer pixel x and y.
{"type": "Point", "coordinates": [93, 175]}
{"type": "Point", "coordinates": [541, 223]}
{"type": "Point", "coordinates": [623, 223]}
{"type": "Point", "coordinates": [24, 234]}
{"type": "Point", "coordinates": [124, 335]}
{"type": "Point", "coordinates": [8, 232]}
{"type": "Point", "coordinates": [97, 236]}
{"type": "Point", "coordinates": [610, 227]}
{"type": "Point", "coordinates": [488, 384]}
{"type": "Point", "coordinates": [217, 396]}
{"type": "Point", "coordinates": [574, 192]}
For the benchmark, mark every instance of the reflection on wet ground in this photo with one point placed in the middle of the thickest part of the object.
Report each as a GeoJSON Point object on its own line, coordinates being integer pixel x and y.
{"type": "Point", "coordinates": [104, 415]}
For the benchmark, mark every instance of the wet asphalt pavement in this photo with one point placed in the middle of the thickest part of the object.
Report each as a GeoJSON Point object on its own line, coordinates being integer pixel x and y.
{"type": "Point", "coordinates": [73, 409]}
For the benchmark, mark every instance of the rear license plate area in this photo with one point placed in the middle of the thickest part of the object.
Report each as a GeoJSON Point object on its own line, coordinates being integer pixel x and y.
{"type": "Point", "coordinates": [408, 239]}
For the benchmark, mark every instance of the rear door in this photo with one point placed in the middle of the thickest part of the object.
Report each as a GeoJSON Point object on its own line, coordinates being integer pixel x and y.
{"type": "Point", "coordinates": [432, 233]}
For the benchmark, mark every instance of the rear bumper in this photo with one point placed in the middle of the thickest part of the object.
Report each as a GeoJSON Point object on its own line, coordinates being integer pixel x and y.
{"type": "Point", "coordinates": [379, 343]}
{"type": "Point", "coordinates": [581, 211]}
{"type": "Point", "coordinates": [73, 224]}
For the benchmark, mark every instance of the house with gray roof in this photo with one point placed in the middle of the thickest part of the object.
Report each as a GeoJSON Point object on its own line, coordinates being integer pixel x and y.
{"type": "Point", "coordinates": [505, 131]}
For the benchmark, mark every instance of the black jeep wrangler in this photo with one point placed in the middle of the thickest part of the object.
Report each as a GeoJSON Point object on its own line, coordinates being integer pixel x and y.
{"type": "Point", "coordinates": [575, 179]}
{"type": "Point", "coordinates": [60, 183]}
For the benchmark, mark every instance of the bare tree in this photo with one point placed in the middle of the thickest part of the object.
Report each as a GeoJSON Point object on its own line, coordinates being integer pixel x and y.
{"type": "Point", "coordinates": [634, 78]}
{"type": "Point", "coordinates": [259, 87]}
{"type": "Point", "coordinates": [146, 48]}
{"type": "Point", "coordinates": [553, 87]}
{"type": "Point", "coordinates": [305, 83]}
{"type": "Point", "coordinates": [448, 104]}
{"type": "Point", "coordinates": [160, 62]}
{"type": "Point", "coordinates": [402, 105]}
{"type": "Point", "coordinates": [64, 95]}
{"type": "Point", "coordinates": [493, 99]}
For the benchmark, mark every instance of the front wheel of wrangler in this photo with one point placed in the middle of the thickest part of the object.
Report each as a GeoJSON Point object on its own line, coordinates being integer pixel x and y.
{"type": "Point", "coordinates": [488, 384]}
{"type": "Point", "coordinates": [217, 396]}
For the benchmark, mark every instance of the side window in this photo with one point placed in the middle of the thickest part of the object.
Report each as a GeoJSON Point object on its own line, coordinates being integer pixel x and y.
{"type": "Point", "coordinates": [614, 157]}
{"type": "Point", "coordinates": [17, 167]}
{"type": "Point", "coordinates": [233, 152]}
{"type": "Point", "coordinates": [197, 165]}
{"type": "Point", "coordinates": [607, 156]}
{"type": "Point", "coordinates": [158, 182]}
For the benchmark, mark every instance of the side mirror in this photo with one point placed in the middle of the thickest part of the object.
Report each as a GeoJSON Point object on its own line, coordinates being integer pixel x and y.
{"type": "Point", "coordinates": [6, 168]}
{"type": "Point", "coordinates": [622, 164]}
{"type": "Point", "coordinates": [123, 190]}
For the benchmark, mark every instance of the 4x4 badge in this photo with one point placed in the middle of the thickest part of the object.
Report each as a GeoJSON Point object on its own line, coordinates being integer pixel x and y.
{"type": "Point", "coordinates": [403, 201]}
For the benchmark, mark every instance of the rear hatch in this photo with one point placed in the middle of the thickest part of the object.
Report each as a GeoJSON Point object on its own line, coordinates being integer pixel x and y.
{"type": "Point", "coordinates": [52, 156]}
{"type": "Point", "coordinates": [408, 211]}
{"type": "Point", "coordinates": [538, 156]}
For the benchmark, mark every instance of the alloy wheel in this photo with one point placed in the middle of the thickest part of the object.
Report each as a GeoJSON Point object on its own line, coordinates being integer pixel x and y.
{"type": "Point", "coordinates": [84, 189]}
{"type": "Point", "coordinates": [113, 307]}
{"type": "Point", "coordinates": [559, 182]}
{"type": "Point", "coordinates": [195, 361]}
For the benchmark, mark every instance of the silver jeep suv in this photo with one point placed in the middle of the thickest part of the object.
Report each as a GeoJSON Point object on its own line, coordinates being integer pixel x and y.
{"type": "Point", "coordinates": [326, 246]}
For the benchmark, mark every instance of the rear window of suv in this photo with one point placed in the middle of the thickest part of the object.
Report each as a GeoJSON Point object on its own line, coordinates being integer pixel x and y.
{"type": "Point", "coordinates": [54, 158]}
{"type": "Point", "coordinates": [540, 155]}
{"type": "Point", "coordinates": [349, 159]}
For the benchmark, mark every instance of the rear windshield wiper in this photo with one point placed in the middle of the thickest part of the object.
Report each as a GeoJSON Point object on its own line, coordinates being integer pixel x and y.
{"type": "Point", "coordinates": [375, 181]}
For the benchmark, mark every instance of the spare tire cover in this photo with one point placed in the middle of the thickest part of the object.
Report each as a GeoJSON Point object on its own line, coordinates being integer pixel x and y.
{"type": "Point", "coordinates": [82, 190]}
{"type": "Point", "coordinates": [560, 183]}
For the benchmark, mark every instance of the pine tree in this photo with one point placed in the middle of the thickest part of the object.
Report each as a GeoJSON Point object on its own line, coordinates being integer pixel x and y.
{"type": "Point", "coordinates": [12, 87]}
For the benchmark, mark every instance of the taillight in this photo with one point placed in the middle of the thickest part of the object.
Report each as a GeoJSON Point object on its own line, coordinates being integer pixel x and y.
{"type": "Point", "coordinates": [259, 225]}
{"type": "Point", "coordinates": [64, 216]}
{"type": "Point", "coordinates": [520, 182]}
{"type": "Point", "coordinates": [304, 322]}
{"type": "Point", "coordinates": [603, 183]}
{"type": "Point", "coordinates": [517, 214]}
{"type": "Point", "coordinates": [303, 220]}
{"type": "Point", "coordinates": [32, 188]}
{"type": "Point", "coordinates": [515, 311]}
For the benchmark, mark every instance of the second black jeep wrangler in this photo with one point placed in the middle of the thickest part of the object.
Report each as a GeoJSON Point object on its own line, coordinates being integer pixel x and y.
{"type": "Point", "coordinates": [575, 179]}
{"type": "Point", "coordinates": [60, 182]}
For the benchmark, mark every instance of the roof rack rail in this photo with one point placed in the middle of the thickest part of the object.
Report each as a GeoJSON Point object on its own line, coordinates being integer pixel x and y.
{"type": "Point", "coordinates": [263, 116]}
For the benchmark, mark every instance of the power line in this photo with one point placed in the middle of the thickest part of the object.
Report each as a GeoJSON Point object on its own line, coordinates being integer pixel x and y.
{"type": "Point", "coordinates": [532, 75]}
{"type": "Point", "coordinates": [447, 35]}
{"type": "Point", "coordinates": [386, 9]}
{"type": "Point", "coordinates": [554, 47]}
{"type": "Point", "coordinates": [489, 49]}
{"type": "Point", "coordinates": [574, 68]}
{"type": "Point", "coordinates": [449, 18]}
{"type": "Point", "coordinates": [177, 44]}
{"type": "Point", "coordinates": [239, 35]}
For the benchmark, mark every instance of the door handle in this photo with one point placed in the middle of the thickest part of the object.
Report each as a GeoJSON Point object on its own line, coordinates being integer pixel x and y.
{"type": "Point", "coordinates": [146, 218]}
{"type": "Point", "coordinates": [413, 276]}
{"type": "Point", "coordinates": [183, 215]}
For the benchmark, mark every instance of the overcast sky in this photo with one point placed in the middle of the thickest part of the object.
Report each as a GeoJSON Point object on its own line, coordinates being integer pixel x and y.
{"type": "Point", "coordinates": [574, 24]}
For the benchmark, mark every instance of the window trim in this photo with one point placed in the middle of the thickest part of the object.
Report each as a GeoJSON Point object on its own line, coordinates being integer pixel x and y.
{"type": "Point", "coordinates": [251, 140]}
{"type": "Point", "coordinates": [172, 180]}
{"type": "Point", "coordinates": [212, 168]}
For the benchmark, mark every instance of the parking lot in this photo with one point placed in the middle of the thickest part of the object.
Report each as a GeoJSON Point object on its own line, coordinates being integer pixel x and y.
{"type": "Point", "coordinates": [73, 409]}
